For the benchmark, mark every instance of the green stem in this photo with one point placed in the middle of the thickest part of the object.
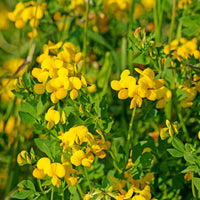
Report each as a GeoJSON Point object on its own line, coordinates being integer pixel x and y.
{"type": "Point", "coordinates": [40, 186]}
{"type": "Point", "coordinates": [79, 190]}
{"type": "Point", "coordinates": [85, 35]}
{"type": "Point", "coordinates": [52, 193]}
{"type": "Point", "coordinates": [179, 29]}
{"type": "Point", "coordinates": [172, 23]}
{"type": "Point", "coordinates": [130, 131]}
{"type": "Point", "coordinates": [87, 177]}
{"type": "Point", "coordinates": [183, 124]}
{"type": "Point", "coordinates": [123, 53]}
{"type": "Point", "coordinates": [156, 21]}
{"type": "Point", "coordinates": [193, 189]}
{"type": "Point", "coordinates": [115, 162]}
{"type": "Point", "coordinates": [130, 27]}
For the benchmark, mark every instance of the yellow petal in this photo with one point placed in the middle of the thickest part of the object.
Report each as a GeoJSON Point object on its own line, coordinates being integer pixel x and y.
{"type": "Point", "coordinates": [55, 181]}
{"type": "Point", "coordinates": [123, 94]}
{"type": "Point", "coordinates": [61, 93]}
{"type": "Point", "coordinates": [73, 94]}
{"type": "Point", "coordinates": [92, 88]}
{"type": "Point", "coordinates": [115, 85]}
{"type": "Point", "coordinates": [77, 157]}
{"type": "Point", "coordinates": [43, 163]}
{"type": "Point", "coordinates": [63, 118]}
{"type": "Point", "coordinates": [161, 104]}
{"type": "Point", "coordinates": [125, 73]}
{"type": "Point", "coordinates": [53, 98]}
{"type": "Point", "coordinates": [39, 173]}
{"type": "Point", "coordinates": [39, 88]}
{"type": "Point", "coordinates": [76, 82]}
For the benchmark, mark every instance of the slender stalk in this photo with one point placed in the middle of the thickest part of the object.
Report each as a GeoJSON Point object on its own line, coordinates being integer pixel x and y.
{"type": "Point", "coordinates": [172, 22]}
{"type": "Point", "coordinates": [130, 132]}
{"type": "Point", "coordinates": [156, 21]}
{"type": "Point", "coordinates": [193, 189]}
{"type": "Point", "coordinates": [115, 163]}
{"type": "Point", "coordinates": [130, 26]}
{"type": "Point", "coordinates": [123, 53]}
{"type": "Point", "coordinates": [85, 35]}
{"type": "Point", "coordinates": [40, 186]}
{"type": "Point", "coordinates": [52, 193]}
{"type": "Point", "coordinates": [183, 124]}
{"type": "Point", "coordinates": [79, 190]}
{"type": "Point", "coordinates": [87, 177]}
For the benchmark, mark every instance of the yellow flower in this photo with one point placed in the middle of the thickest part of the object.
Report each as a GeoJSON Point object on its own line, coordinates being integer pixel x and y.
{"type": "Point", "coordinates": [77, 157]}
{"type": "Point", "coordinates": [54, 170]}
{"type": "Point", "coordinates": [71, 180]}
{"type": "Point", "coordinates": [23, 158]}
{"type": "Point", "coordinates": [53, 117]}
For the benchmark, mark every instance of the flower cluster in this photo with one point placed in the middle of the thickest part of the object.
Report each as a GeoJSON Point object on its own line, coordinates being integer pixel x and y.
{"type": "Point", "coordinates": [80, 146]}
{"type": "Point", "coordinates": [119, 8]}
{"type": "Point", "coordinates": [58, 73]}
{"type": "Point", "coordinates": [134, 193]}
{"type": "Point", "coordinates": [53, 170]}
{"type": "Point", "coordinates": [168, 131]}
{"type": "Point", "coordinates": [183, 48]}
{"type": "Point", "coordinates": [53, 117]}
{"type": "Point", "coordinates": [145, 87]}
{"type": "Point", "coordinates": [8, 84]}
{"type": "Point", "coordinates": [183, 4]}
{"type": "Point", "coordinates": [28, 11]}
{"type": "Point", "coordinates": [191, 91]}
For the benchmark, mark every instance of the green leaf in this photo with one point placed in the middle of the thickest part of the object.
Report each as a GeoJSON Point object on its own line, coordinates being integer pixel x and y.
{"type": "Point", "coordinates": [99, 39]}
{"type": "Point", "coordinates": [191, 168]}
{"type": "Point", "coordinates": [104, 74]}
{"type": "Point", "coordinates": [189, 157]}
{"type": "Point", "coordinates": [27, 184]}
{"type": "Point", "coordinates": [146, 159]}
{"type": "Point", "coordinates": [177, 144]}
{"type": "Point", "coordinates": [28, 108]}
{"type": "Point", "coordinates": [44, 145]}
{"type": "Point", "coordinates": [40, 108]}
{"type": "Point", "coordinates": [196, 182]}
{"type": "Point", "coordinates": [23, 194]}
{"type": "Point", "coordinates": [166, 65]}
{"type": "Point", "coordinates": [136, 152]}
{"type": "Point", "coordinates": [27, 79]}
{"type": "Point", "coordinates": [175, 153]}
{"type": "Point", "coordinates": [142, 59]}
{"type": "Point", "coordinates": [181, 94]}
{"type": "Point", "coordinates": [26, 118]}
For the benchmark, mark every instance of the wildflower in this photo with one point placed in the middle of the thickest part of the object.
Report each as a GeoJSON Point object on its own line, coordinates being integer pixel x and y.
{"type": "Point", "coordinates": [24, 158]}
{"type": "Point", "coordinates": [57, 73]}
{"type": "Point", "coordinates": [53, 117]}
{"type": "Point", "coordinates": [145, 87]}
{"type": "Point", "coordinates": [53, 170]}
{"type": "Point", "coordinates": [170, 130]}
{"type": "Point", "coordinates": [188, 176]}
{"type": "Point", "coordinates": [28, 11]}
{"type": "Point", "coordinates": [72, 141]}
